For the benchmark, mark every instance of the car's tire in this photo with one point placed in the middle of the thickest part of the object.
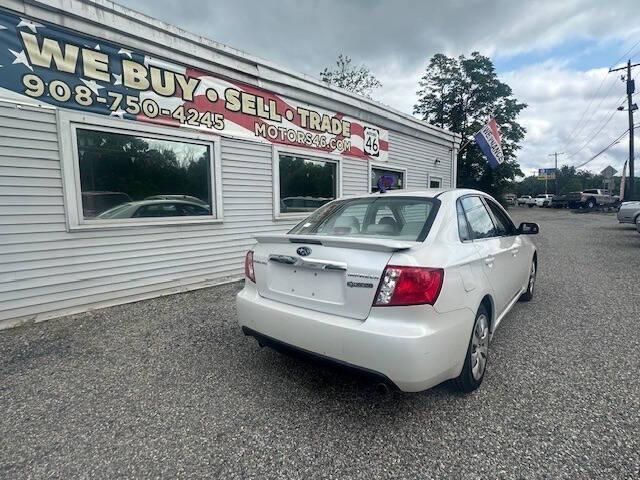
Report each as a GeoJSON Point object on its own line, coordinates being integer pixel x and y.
{"type": "Point", "coordinates": [528, 294]}
{"type": "Point", "coordinates": [591, 203]}
{"type": "Point", "coordinates": [475, 360]}
{"type": "Point", "coordinates": [531, 205]}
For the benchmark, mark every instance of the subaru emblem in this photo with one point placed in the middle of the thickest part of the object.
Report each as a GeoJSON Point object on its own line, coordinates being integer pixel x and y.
{"type": "Point", "coordinates": [303, 251]}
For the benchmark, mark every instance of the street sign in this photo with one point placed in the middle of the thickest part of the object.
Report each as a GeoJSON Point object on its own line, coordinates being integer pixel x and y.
{"type": "Point", "coordinates": [608, 172]}
{"type": "Point", "coordinates": [546, 174]}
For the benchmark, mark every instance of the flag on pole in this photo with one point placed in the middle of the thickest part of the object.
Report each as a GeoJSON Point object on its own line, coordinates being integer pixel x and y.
{"type": "Point", "coordinates": [490, 142]}
{"type": "Point", "coordinates": [622, 181]}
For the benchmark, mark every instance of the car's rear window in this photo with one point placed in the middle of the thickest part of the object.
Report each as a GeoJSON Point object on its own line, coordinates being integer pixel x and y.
{"type": "Point", "coordinates": [400, 218]}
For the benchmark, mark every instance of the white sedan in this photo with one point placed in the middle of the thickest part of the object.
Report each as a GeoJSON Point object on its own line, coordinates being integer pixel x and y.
{"type": "Point", "coordinates": [405, 287]}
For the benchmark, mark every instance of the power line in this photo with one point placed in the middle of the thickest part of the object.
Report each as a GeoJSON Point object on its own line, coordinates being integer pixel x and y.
{"type": "Point", "coordinates": [594, 134]}
{"type": "Point", "coordinates": [631, 87]}
{"type": "Point", "coordinates": [624, 55]}
{"type": "Point", "coordinates": [591, 137]}
{"type": "Point", "coordinates": [617, 140]}
{"type": "Point", "coordinates": [581, 125]}
{"type": "Point", "coordinates": [574, 132]}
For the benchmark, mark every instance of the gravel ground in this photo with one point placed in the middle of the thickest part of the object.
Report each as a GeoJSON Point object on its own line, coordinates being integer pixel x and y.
{"type": "Point", "coordinates": [171, 388]}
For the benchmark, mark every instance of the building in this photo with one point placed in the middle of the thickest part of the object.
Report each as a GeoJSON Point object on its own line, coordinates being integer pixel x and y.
{"type": "Point", "coordinates": [137, 159]}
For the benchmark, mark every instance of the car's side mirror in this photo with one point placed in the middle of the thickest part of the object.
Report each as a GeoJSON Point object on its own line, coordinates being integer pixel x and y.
{"type": "Point", "coordinates": [528, 228]}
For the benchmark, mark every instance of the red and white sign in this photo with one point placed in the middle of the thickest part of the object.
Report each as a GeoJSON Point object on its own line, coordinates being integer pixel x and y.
{"type": "Point", "coordinates": [242, 110]}
{"type": "Point", "coordinates": [64, 68]}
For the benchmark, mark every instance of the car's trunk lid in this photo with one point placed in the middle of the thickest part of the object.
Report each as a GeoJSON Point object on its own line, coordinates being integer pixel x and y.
{"type": "Point", "coordinates": [337, 275]}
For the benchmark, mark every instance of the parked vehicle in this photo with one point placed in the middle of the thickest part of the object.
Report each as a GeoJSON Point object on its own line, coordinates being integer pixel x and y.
{"type": "Point", "coordinates": [591, 198]}
{"type": "Point", "coordinates": [629, 212]}
{"type": "Point", "coordinates": [302, 204]}
{"type": "Point", "coordinates": [523, 199]}
{"type": "Point", "coordinates": [559, 201]}
{"type": "Point", "coordinates": [94, 203]}
{"type": "Point", "coordinates": [186, 198]}
{"type": "Point", "coordinates": [541, 200]}
{"type": "Point", "coordinates": [509, 199]}
{"type": "Point", "coordinates": [407, 287]}
{"type": "Point", "coordinates": [156, 208]}
{"type": "Point", "coordinates": [638, 224]}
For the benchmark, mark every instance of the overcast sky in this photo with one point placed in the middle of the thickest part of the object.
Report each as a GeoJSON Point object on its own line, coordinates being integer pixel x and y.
{"type": "Point", "coordinates": [554, 54]}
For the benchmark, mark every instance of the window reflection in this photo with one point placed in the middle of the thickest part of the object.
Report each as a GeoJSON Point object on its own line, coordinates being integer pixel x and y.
{"type": "Point", "coordinates": [305, 184]}
{"type": "Point", "coordinates": [130, 176]}
{"type": "Point", "coordinates": [391, 179]}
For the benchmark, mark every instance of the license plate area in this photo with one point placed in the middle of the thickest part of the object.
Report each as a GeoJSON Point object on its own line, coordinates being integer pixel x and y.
{"type": "Point", "coordinates": [308, 284]}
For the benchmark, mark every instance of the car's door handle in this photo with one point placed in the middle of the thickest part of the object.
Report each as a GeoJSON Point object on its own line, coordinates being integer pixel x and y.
{"type": "Point", "coordinates": [489, 261]}
{"type": "Point", "coordinates": [515, 251]}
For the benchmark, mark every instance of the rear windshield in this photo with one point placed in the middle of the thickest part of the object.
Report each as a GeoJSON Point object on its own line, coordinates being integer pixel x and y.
{"type": "Point", "coordinates": [399, 218]}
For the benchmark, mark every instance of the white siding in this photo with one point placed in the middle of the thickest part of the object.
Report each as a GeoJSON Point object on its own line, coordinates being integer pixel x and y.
{"type": "Point", "coordinates": [355, 177]}
{"type": "Point", "coordinates": [419, 157]}
{"type": "Point", "coordinates": [47, 271]}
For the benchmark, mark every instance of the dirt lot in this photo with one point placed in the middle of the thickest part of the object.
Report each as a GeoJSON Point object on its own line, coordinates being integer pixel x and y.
{"type": "Point", "coordinates": [171, 388]}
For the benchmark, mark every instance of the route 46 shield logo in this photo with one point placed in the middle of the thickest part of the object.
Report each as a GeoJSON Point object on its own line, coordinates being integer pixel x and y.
{"type": "Point", "coordinates": [371, 141]}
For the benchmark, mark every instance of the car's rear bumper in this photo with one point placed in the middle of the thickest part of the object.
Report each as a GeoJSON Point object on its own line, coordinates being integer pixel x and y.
{"type": "Point", "coordinates": [414, 348]}
{"type": "Point", "coordinates": [267, 341]}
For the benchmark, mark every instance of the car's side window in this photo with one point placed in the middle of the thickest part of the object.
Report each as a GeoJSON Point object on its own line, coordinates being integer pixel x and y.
{"type": "Point", "coordinates": [478, 217]}
{"type": "Point", "coordinates": [504, 226]}
{"type": "Point", "coordinates": [463, 226]}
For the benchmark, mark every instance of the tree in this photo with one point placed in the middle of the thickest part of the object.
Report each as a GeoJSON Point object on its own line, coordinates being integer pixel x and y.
{"type": "Point", "coordinates": [461, 94]}
{"type": "Point", "coordinates": [358, 80]}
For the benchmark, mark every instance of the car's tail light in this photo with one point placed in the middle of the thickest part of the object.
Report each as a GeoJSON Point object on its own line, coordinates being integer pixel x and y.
{"type": "Point", "coordinates": [409, 286]}
{"type": "Point", "coordinates": [249, 272]}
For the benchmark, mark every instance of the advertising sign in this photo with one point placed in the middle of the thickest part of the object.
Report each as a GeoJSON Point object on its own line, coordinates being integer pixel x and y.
{"type": "Point", "coordinates": [546, 174]}
{"type": "Point", "coordinates": [53, 65]}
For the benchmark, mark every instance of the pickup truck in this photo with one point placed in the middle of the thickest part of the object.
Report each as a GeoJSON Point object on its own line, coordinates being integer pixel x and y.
{"type": "Point", "coordinates": [523, 199]}
{"type": "Point", "coordinates": [541, 200]}
{"type": "Point", "coordinates": [592, 198]}
{"type": "Point", "coordinates": [559, 201]}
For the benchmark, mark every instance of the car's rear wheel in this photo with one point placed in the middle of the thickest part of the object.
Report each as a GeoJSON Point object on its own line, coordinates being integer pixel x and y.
{"type": "Point", "coordinates": [475, 362]}
{"type": "Point", "coordinates": [528, 295]}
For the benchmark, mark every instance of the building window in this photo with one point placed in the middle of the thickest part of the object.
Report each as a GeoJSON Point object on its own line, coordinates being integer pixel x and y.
{"type": "Point", "coordinates": [391, 179]}
{"type": "Point", "coordinates": [152, 177]}
{"type": "Point", "coordinates": [124, 177]}
{"type": "Point", "coordinates": [305, 183]}
{"type": "Point", "coordinates": [435, 182]}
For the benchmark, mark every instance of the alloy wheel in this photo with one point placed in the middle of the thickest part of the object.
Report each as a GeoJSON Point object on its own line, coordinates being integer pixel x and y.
{"type": "Point", "coordinates": [532, 277]}
{"type": "Point", "coordinates": [479, 347]}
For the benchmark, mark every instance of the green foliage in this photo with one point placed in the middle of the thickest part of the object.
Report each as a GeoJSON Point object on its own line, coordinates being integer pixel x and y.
{"type": "Point", "coordinates": [462, 94]}
{"type": "Point", "coordinates": [358, 80]}
{"type": "Point", "coordinates": [141, 167]}
{"type": "Point", "coordinates": [305, 178]}
{"type": "Point", "coordinates": [569, 180]}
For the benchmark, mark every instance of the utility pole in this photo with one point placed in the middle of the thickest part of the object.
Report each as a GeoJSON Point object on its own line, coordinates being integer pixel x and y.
{"type": "Point", "coordinates": [555, 175]}
{"type": "Point", "coordinates": [631, 87]}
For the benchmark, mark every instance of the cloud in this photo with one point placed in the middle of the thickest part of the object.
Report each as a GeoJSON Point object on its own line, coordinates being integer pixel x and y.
{"type": "Point", "coordinates": [396, 38]}
{"type": "Point", "coordinates": [557, 118]}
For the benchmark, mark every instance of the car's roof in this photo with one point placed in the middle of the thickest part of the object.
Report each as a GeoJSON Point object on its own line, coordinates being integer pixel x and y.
{"type": "Point", "coordinates": [427, 193]}
{"type": "Point", "coordinates": [98, 192]}
{"type": "Point", "coordinates": [161, 202]}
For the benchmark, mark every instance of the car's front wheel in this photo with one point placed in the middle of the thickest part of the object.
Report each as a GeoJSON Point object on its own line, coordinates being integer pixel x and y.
{"type": "Point", "coordinates": [475, 362]}
{"type": "Point", "coordinates": [528, 294]}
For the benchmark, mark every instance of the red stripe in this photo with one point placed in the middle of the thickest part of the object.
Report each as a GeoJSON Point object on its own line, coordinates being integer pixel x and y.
{"type": "Point", "coordinates": [494, 129]}
{"type": "Point", "coordinates": [249, 122]}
